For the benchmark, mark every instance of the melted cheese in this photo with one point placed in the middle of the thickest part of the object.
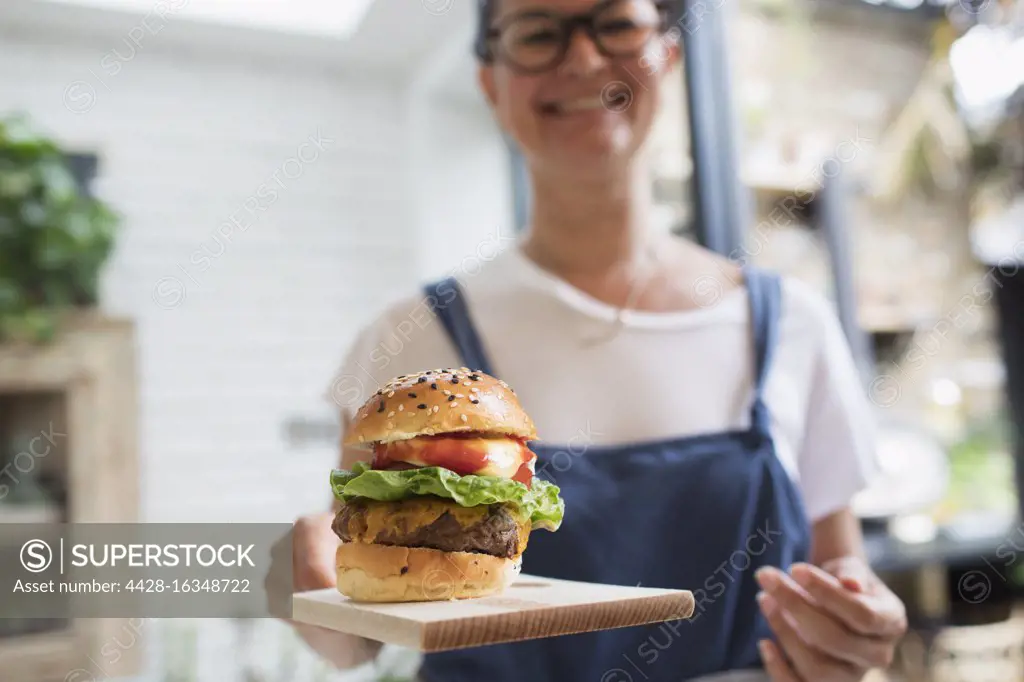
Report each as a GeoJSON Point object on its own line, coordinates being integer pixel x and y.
{"type": "Point", "coordinates": [409, 515]}
{"type": "Point", "coordinates": [523, 536]}
{"type": "Point", "coordinates": [414, 513]}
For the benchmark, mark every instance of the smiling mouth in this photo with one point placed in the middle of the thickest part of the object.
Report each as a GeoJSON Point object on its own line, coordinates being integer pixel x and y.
{"type": "Point", "coordinates": [575, 106]}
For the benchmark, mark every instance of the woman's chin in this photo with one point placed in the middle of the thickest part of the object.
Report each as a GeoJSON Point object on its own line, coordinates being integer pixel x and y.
{"type": "Point", "coordinates": [589, 151]}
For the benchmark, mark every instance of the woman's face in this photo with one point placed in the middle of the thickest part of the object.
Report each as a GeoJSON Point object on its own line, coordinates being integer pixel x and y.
{"type": "Point", "coordinates": [588, 112]}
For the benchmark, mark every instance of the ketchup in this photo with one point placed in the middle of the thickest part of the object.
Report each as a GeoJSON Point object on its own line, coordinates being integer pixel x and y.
{"type": "Point", "coordinates": [446, 451]}
{"type": "Point", "coordinates": [525, 474]}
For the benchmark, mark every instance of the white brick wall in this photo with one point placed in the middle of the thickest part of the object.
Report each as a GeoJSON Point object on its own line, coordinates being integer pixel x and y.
{"type": "Point", "coordinates": [240, 333]}
{"type": "Point", "coordinates": [183, 148]}
{"type": "Point", "coordinates": [241, 325]}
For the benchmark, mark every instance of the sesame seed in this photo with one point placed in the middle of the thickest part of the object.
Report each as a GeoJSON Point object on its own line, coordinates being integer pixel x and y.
{"type": "Point", "coordinates": [459, 395]}
{"type": "Point", "coordinates": [391, 394]}
{"type": "Point", "coordinates": [447, 392]}
{"type": "Point", "coordinates": [391, 425]}
{"type": "Point", "coordinates": [467, 384]}
{"type": "Point", "coordinates": [474, 377]}
{"type": "Point", "coordinates": [401, 407]}
{"type": "Point", "coordinates": [391, 413]}
{"type": "Point", "coordinates": [412, 395]}
{"type": "Point", "coordinates": [422, 406]}
{"type": "Point", "coordinates": [453, 405]}
{"type": "Point", "coordinates": [421, 380]}
{"type": "Point", "coordinates": [463, 417]}
{"type": "Point", "coordinates": [381, 408]}
{"type": "Point", "coordinates": [433, 386]}
{"type": "Point", "coordinates": [451, 398]}
{"type": "Point", "coordinates": [436, 409]}
{"type": "Point", "coordinates": [430, 371]}
{"type": "Point", "coordinates": [474, 401]}
{"type": "Point", "coordinates": [455, 381]}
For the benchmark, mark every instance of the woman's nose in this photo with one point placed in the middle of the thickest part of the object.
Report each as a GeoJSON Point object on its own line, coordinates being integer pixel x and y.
{"type": "Point", "coordinates": [582, 57]}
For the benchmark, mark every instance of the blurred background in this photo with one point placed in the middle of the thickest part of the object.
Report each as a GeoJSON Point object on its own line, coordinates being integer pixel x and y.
{"type": "Point", "coordinates": [201, 202]}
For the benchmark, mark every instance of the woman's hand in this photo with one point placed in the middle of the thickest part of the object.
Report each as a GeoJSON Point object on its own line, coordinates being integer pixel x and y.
{"type": "Point", "coordinates": [310, 548]}
{"type": "Point", "coordinates": [833, 624]}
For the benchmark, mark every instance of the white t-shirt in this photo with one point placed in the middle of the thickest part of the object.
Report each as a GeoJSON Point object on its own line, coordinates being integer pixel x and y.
{"type": "Point", "coordinates": [658, 376]}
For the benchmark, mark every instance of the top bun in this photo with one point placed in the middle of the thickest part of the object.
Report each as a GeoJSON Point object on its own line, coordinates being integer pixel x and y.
{"type": "Point", "coordinates": [440, 401]}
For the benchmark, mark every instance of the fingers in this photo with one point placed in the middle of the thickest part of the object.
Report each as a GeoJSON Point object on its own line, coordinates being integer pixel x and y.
{"type": "Point", "coordinates": [808, 663]}
{"type": "Point", "coordinates": [775, 663]}
{"type": "Point", "coordinates": [313, 554]}
{"type": "Point", "coordinates": [818, 628]}
{"type": "Point", "coordinates": [343, 651]}
{"type": "Point", "coordinates": [852, 584]}
{"type": "Point", "coordinates": [881, 615]}
{"type": "Point", "coordinates": [850, 569]}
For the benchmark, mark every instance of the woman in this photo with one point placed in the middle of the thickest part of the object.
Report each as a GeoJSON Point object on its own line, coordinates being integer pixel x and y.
{"type": "Point", "coordinates": [710, 443]}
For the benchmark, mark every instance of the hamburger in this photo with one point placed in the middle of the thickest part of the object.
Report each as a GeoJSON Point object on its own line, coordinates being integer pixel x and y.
{"type": "Point", "coordinates": [445, 505]}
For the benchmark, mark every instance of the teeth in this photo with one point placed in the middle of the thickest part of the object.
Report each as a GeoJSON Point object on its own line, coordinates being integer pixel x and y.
{"type": "Point", "coordinates": [582, 104]}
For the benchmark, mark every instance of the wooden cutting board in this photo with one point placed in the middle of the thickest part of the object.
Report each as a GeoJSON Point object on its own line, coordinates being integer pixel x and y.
{"type": "Point", "coordinates": [530, 608]}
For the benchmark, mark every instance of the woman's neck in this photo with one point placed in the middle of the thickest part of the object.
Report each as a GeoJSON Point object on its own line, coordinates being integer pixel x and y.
{"type": "Point", "coordinates": [592, 225]}
{"type": "Point", "coordinates": [597, 235]}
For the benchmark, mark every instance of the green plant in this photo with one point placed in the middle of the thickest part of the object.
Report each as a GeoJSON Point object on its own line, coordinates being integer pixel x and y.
{"type": "Point", "coordinates": [981, 467]}
{"type": "Point", "coordinates": [53, 239]}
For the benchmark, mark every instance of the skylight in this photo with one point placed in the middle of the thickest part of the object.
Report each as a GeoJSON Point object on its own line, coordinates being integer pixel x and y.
{"type": "Point", "coordinates": [988, 67]}
{"type": "Point", "coordinates": [331, 18]}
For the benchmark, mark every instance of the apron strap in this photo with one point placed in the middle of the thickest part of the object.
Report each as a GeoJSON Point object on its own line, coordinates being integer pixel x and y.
{"type": "Point", "coordinates": [765, 291]}
{"type": "Point", "coordinates": [448, 302]}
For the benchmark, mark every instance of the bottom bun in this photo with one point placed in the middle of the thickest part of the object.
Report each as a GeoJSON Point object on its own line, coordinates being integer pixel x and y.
{"type": "Point", "coordinates": [385, 573]}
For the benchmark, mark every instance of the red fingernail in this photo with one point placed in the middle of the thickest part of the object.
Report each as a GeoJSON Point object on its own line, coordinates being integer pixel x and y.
{"type": "Point", "coordinates": [851, 584]}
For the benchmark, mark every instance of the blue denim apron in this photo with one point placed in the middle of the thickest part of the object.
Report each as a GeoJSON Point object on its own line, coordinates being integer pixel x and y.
{"type": "Point", "coordinates": [700, 513]}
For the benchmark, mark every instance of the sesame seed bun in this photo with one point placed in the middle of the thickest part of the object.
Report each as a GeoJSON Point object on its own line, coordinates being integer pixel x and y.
{"type": "Point", "coordinates": [440, 401]}
{"type": "Point", "coordinates": [384, 573]}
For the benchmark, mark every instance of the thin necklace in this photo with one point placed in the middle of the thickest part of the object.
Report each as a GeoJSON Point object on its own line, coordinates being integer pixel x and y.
{"type": "Point", "coordinates": [632, 296]}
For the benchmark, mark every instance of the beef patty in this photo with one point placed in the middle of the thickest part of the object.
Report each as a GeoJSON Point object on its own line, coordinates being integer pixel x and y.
{"type": "Point", "coordinates": [433, 523]}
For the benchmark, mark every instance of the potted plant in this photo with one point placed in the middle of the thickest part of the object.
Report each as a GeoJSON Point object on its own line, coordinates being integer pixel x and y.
{"type": "Point", "coordinates": [54, 239]}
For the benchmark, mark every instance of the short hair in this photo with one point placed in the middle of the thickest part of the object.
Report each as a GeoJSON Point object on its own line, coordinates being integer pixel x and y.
{"type": "Point", "coordinates": [482, 46]}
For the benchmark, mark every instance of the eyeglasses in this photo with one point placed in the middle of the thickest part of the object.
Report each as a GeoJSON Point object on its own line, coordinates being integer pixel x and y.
{"type": "Point", "coordinates": [534, 41]}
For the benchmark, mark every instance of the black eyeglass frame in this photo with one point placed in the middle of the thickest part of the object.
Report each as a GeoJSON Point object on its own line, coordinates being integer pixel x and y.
{"type": "Point", "coordinates": [569, 24]}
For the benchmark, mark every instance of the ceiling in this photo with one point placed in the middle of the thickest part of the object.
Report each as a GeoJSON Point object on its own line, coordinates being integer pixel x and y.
{"type": "Point", "coordinates": [311, 17]}
{"type": "Point", "coordinates": [404, 41]}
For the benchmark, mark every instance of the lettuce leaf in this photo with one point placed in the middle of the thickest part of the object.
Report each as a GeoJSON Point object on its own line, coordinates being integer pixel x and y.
{"type": "Point", "coordinates": [540, 503]}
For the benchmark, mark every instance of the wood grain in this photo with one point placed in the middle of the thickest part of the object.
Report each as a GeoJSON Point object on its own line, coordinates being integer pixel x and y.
{"type": "Point", "coordinates": [86, 384]}
{"type": "Point", "coordinates": [530, 608]}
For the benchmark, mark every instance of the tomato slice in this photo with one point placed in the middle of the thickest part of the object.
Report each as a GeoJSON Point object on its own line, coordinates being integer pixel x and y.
{"type": "Point", "coordinates": [504, 457]}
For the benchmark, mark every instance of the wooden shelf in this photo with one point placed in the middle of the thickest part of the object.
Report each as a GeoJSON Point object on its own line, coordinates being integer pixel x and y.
{"type": "Point", "coordinates": [671, 188]}
{"type": "Point", "coordinates": [83, 386]}
{"type": "Point", "coordinates": [43, 514]}
{"type": "Point", "coordinates": [893, 319]}
{"type": "Point", "coordinates": [781, 182]}
{"type": "Point", "coordinates": [50, 656]}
